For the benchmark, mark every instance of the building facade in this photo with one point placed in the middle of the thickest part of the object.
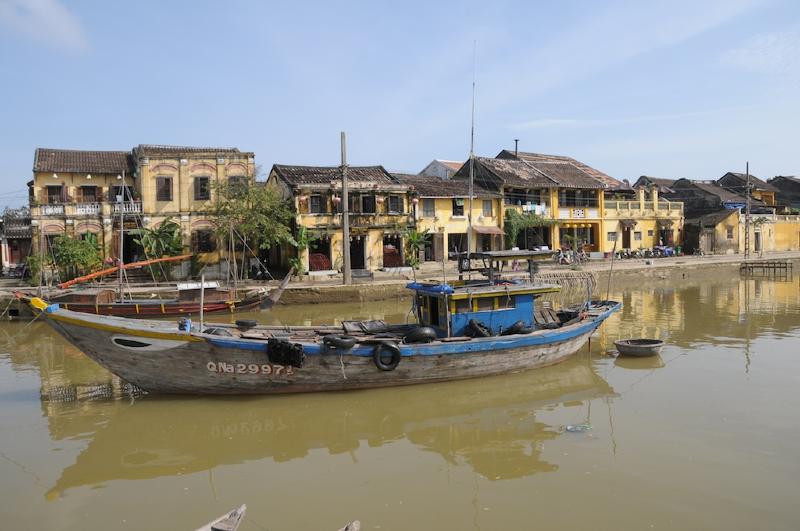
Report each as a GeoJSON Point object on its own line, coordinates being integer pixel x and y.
{"type": "Point", "coordinates": [380, 212]}
{"type": "Point", "coordinates": [82, 193]}
{"type": "Point", "coordinates": [443, 209]}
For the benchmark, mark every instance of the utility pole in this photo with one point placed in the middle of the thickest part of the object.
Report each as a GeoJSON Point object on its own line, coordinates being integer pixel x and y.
{"type": "Point", "coordinates": [747, 216]}
{"type": "Point", "coordinates": [471, 160]}
{"type": "Point", "coordinates": [121, 205]}
{"type": "Point", "coordinates": [346, 273]}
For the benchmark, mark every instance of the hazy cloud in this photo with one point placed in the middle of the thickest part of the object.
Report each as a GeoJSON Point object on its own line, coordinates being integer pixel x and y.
{"type": "Point", "coordinates": [768, 53]}
{"type": "Point", "coordinates": [48, 21]}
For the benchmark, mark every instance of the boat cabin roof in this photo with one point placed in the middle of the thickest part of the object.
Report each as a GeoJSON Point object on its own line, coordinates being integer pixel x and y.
{"type": "Point", "coordinates": [482, 288]}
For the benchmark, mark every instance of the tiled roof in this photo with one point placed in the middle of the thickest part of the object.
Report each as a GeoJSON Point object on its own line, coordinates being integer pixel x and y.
{"type": "Point", "coordinates": [757, 183]}
{"type": "Point", "coordinates": [152, 150]}
{"type": "Point", "coordinates": [79, 161]}
{"type": "Point", "coordinates": [511, 173]}
{"type": "Point", "coordinates": [433, 187]}
{"type": "Point", "coordinates": [325, 174]}
{"type": "Point", "coordinates": [726, 196]}
{"type": "Point", "coordinates": [664, 185]}
{"type": "Point", "coordinates": [790, 178]}
{"type": "Point", "coordinates": [712, 219]}
{"type": "Point", "coordinates": [567, 175]}
{"type": "Point", "coordinates": [452, 164]}
{"type": "Point", "coordinates": [541, 157]}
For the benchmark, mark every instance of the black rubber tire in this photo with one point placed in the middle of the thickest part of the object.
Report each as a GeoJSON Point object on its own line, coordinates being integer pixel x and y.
{"type": "Point", "coordinates": [517, 328]}
{"type": "Point", "coordinates": [246, 324]}
{"type": "Point", "coordinates": [479, 329]}
{"type": "Point", "coordinates": [339, 342]}
{"type": "Point", "coordinates": [422, 334]}
{"type": "Point", "coordinates": [377, 356]}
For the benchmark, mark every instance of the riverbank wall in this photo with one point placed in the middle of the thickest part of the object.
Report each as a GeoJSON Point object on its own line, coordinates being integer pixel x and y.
{"type": "Point", "coordinates": [621, 272]}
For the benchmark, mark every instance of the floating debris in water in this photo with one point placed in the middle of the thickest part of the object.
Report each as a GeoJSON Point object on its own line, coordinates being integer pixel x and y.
{"type": "Point", "coordinates": [112, 390]}
{"type": "Point", "coordinates": [578, 428]}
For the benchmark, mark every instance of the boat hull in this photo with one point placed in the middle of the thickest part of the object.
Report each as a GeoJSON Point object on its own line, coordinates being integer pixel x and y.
{"type": "Point", "coordinates": [167, 309]}
{"type": "Point", "coordinates": [156, 358]}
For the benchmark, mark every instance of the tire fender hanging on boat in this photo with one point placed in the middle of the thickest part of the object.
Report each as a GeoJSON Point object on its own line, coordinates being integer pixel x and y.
{"type": "Point", "coordinates": [339, 341]}
{"type": "Point", "coordinates": [383, 348]}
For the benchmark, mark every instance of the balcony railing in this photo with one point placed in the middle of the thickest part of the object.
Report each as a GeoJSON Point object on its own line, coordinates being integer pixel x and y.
{"type": "Point", "coordinates": [129, 207]}
{"type": "Point", "coordinates": [52, 210]}
{"type": "Point", "coordinates": [90, 209]}
{"type": "Point", "coordinates": [669, 206]}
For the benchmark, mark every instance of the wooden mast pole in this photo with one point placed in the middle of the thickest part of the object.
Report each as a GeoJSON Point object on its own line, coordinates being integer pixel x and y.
{"type": "Point", "coordinates": [120, 261]}
{"type": "Point", "coordinates": [346, 272]}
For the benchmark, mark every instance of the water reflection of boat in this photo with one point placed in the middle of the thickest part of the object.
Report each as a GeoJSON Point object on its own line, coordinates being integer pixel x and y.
{"type": "Point", "coordinates": [650, 362]}
{"type": "Point", "coordinates": [488, 424]}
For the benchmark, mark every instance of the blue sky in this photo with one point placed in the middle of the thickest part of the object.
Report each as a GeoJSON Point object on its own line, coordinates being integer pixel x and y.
{"type": "Point", "coordinates": [670, 89]}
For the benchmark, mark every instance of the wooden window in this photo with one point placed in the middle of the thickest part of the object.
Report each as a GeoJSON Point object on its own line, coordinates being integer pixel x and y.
{"type": "Point", "coordinates": [88, 194]}
{"type": "Point", "coordinates": [55, 194]}
{"type": "Point", "coordinates": [204, 241]}
{"type": "Point", "coordinates": [395, 204]}
{"type": "Point", "coordinates": [317, 204]}
{"type": "Point", "coordinates": [650, 233]}
{"type": "Point", "coordinates": [487, 208]}
{"type": "Point", "coordinates": [458, 206]}
{"type": "Point", "coordinates": [729, 233]}
{"type": "Point", "coordinates": [202, 188]}
{"type": "Point", "coordinates": [368, 204]}
{"type": "Point", "coordinates": [637, 236]}
{"type": "Point", "coordinates": [612, 236]}
{"type": "Point", "coordinates": [124, 191]}
{"type": "Point", "coordinates": [428, 208]}
{"type": "Point", "coordinates": [163, 188]}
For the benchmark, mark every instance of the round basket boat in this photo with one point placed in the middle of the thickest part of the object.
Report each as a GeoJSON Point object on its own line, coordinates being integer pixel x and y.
{"type": "Point", "coordinates": [639, 347]}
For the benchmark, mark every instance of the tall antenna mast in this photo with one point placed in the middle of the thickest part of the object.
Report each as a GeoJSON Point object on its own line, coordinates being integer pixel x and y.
{"type": "Point", "coordinates": [471, 155]}
{"type": "Point", "coordinates": [120, 260]}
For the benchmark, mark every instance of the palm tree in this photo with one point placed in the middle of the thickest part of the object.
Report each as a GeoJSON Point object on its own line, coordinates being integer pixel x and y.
{"type": "Point", "coordinates": [163, 240]}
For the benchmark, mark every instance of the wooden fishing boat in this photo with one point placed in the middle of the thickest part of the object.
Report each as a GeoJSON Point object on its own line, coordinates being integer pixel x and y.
{"type": "Point", "coordinates": [186, 302]}
{"type": "Point", "coordinates": [465, 330]}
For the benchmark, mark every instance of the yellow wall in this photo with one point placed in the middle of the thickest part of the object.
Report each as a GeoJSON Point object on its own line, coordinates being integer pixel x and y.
{"type": "Point", "coordinates": [787, 233]}
{"type": "Point", "coordinates": [445, 223]}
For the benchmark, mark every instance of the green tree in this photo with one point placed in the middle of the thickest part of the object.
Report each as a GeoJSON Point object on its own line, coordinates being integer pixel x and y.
{"type": "Point", "coordinates": [415, 242]}
{"type": "Point", "coordinates": [257, 214]}
{"type": "Point", "coordinates": [76, 256]}
{"type": "Point", "coordinates": [163, 240]}
{"type": "Point", "coordinates": [518, 221]}
{"type": "Point", "coordinates": [302, 241]}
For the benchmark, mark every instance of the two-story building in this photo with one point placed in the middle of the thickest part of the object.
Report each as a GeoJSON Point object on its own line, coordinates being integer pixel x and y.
{"type": "Point", "coordinates": [443, 210]}
{"type": "Point", "coordinates": [74, 192]}
{"type": "Point", "coordinates": [180, 183]}
{"type": "Point", "coordinates": [78, 193]}
{"type": "Point", "coordinates": [380, 211]}
{"type": "Point", "coordinates": [759, 190]}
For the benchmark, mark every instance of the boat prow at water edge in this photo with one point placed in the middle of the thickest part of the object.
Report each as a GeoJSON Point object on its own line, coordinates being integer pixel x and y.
{"type": "Point", "coordinates": [465, 330]}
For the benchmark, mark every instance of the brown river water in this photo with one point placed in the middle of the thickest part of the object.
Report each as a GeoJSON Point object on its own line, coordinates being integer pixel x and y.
{"type": "Point", "coordinates": [706, 436]}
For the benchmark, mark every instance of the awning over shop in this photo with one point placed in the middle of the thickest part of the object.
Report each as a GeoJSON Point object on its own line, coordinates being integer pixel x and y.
{"type": "Point", "coordinates": [665, 223]}
{"type": "Point", "coordinates": [488, 230]}
{"type": "Point", "coordinates": [627, 223]}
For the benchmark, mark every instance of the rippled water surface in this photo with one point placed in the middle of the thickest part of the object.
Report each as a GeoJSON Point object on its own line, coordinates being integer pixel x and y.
{"type": "Point", "coordinates": [704, 437]}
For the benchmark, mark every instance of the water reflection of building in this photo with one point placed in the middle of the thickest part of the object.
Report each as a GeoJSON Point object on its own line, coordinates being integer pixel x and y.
{"type": "Point", "coordinates": [488, 424]}
{"type": "Point", "coordinates": [711, 308]}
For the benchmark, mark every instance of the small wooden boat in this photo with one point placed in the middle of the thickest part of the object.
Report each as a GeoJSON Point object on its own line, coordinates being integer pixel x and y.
{"type": "Point", "coordinates": [227, 522]}
{"type": "Point", "coordinates": [639, 347]}
{"type": "Point", "coordinates": [187, 302]}
{"type": "Point", "coordinates": [465, 329]}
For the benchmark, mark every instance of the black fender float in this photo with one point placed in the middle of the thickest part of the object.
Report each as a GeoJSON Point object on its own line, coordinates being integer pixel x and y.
{"type": "Point", "coordinates": [422, 334]}
{"type": "Point", "coordinates": [339, 342]}
{"type": "Point", "coordinates": [386, 349]}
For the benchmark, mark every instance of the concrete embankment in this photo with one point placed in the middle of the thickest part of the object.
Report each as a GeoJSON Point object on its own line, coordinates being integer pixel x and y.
{"type": "Point", "coordinates": [623, 272]}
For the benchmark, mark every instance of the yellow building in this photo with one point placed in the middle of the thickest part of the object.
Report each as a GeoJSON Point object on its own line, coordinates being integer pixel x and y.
{"type": "Point", "coordinates": [723, 232]}
{"type": "Point", "coordinates": [443, 210]}
{"type": "Point", "coordinates": [642, 223]}
{"type": "Point", "coordinates": [78, 192]}
{"type": "Point", "coordinates": [180, 183]}
{"type": "Point", "coordinates": [74, 193]}
{"type": "Point", "coordinates": [380, 206]}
